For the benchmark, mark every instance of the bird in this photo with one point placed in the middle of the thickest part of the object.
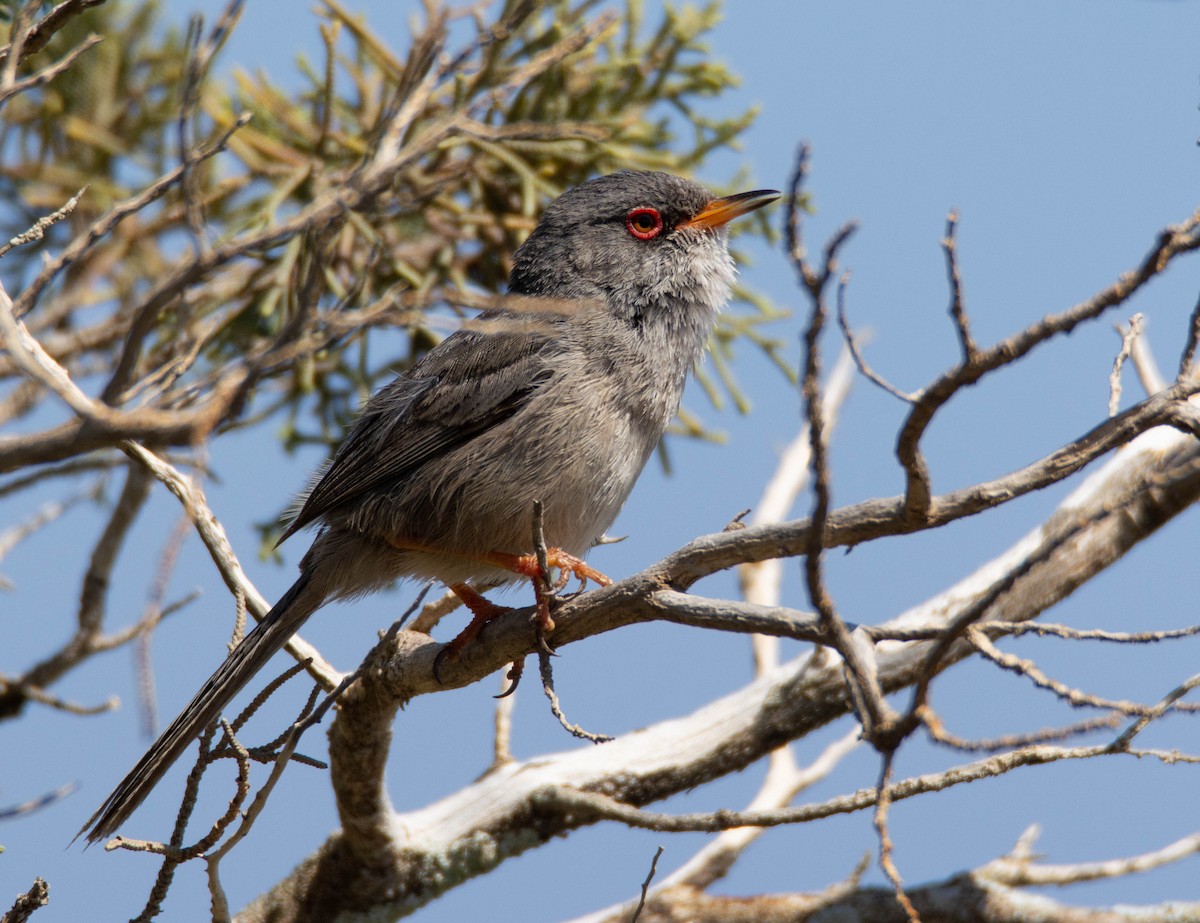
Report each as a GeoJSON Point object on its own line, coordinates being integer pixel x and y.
{"type": "Point", "coordinates": [560, 394]}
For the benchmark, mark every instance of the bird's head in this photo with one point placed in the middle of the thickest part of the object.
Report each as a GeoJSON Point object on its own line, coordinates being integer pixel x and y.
{"type": "Point", "coordinates": [650, 245]}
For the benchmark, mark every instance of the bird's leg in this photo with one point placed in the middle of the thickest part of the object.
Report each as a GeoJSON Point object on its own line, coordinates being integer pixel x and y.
{"type": "Point", "coordinates": [483, 610]}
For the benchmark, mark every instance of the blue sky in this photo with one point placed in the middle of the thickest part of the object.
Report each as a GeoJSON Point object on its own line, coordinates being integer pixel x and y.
{"type": "Point", "coordinates": [1065, 135]}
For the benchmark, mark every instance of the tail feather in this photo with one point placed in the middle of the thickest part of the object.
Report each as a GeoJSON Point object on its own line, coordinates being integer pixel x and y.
{"type": "Point", "coordinates": [276, 628]}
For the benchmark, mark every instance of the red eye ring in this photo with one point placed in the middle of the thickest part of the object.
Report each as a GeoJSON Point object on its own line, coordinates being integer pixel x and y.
{"type": "Point", "coordinates": [644, 222]}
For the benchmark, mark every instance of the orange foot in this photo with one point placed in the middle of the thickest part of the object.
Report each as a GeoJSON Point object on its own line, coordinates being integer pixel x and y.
{"type": "Point", "coordinates": [483, 610]}
{"type": "Point", "coordinates": [568, 566]}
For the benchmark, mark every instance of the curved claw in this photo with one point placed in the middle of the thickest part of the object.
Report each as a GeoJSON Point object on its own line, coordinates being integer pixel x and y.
{"type": "Point", "coordinates": [437, 663]}
{"type": "Point", "coordinates": [515, 672]}
{"type": "Point", "coordinates": [544, 645]}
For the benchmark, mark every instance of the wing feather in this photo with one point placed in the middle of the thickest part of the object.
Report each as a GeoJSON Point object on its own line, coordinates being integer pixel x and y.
{"type": "Point", "coordinates": [454, 394]}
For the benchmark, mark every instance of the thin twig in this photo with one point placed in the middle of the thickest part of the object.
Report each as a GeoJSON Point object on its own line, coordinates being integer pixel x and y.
{"type": "Point", "coordinates": [38, 231]}
{"type": "Point", "coordinates": [958, 311]}
{"type": "Point", "coordinates": [47, 513]}
{"type": "Point", "coordinates": [212, 534]}
{"type": "Point", "coordinates": [36, 804]}
{"type": "Point", "coordinates": [1187, 361]}
{"type": "Point", "coordinates": [646, 885]}
{"type": "Point", "coordinates": [22, 24]}
{"type": "Point", "coordinates": [26, 691]}
{"type": "Point", "coordinates": [886, 846]}
{"type": "Point", "coordinates": [760, 581]}
{"type": "Point", "coordinates": [853, 343]}
{"type": "Point", "coordinates": [938, 733]}
{"type": "Point", "coordinates": [1128, 336]}
{"type": "Point", "coordinates": [1071, 695]}
{"type": "Point", "coordinates": [50, 71]}
{"type": "Point", "coordinates": [48, 26]}
{"type": "Point", "coordinates": [1020, 870]}
{"type": "Point", "coordinates": [1166, 704]}
{"type": "Point", "coordinates": [1171, 242]}
{"type": "Point", "coordinates": [152, 614]}
{"type": "Point", "coordinates": [105, 224]}
{"type": "Point", "coordinates": [548, 688]}
{"type": "Point", "coordinates": [875, 713]}
{"type": "Point", "coordinates": [1042, 629]}
{"type": "Point", "coordinates": [598, 806]}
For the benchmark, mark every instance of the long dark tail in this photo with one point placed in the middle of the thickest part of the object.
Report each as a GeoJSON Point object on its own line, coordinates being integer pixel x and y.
{"type": "Point", "coordinates": [283, 621]}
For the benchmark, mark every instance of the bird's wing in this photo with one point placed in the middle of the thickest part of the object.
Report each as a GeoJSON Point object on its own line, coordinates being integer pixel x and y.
{"type": "Point", "coordinates": [455, 393]}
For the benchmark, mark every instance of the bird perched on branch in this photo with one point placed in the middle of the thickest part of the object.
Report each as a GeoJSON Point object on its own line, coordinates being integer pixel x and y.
{"type": "Point", "coordinates": [560, 396]}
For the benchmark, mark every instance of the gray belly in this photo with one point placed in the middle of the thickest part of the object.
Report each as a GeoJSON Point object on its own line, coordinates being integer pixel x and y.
{"type": "Point", "coordinates": [581, 461]}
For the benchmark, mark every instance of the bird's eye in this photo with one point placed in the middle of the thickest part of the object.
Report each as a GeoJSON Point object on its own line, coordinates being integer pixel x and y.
{"type": "Point", "coordinates": [644, 223]}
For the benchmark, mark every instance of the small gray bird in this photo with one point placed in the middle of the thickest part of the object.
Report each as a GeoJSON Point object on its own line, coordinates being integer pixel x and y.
{"type": "Point", "coordinates": [561, 400]}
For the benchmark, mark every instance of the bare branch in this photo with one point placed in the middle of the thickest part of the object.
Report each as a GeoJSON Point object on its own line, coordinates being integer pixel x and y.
{"type": "Point", "coordinates": [21, 690]}
{"type": "Point", "coordinates": [104, 226]}
{"type": "Point", "coordinates": [45, 28]}
{"type": "Point", "coordinates": [1128, 337]}
{"type": "Point", "coordinates": [938, 733]}
{"type": "Point", "coordinates": [646, 885]}
{"type": "Point", "coordinates": [23, 907]}
{"type": "Point", "coordinates": [1071, 695]}
{"type": "Point", "coordinates": [556, 708]}
{"type": "Point", "coordinates": [1021, 871]}
{"type": "Point", "coordinates": [1187, 367]}
{"type": "Point", "coordinates": [886, 846]}
{"type": "Point", "coordinates": [38, 231]}
{"type": "Point", "coordinates": [200, 58]}
{"type": "Point", "coordinates": [783, 783]}
{"type": "Point", "coordinates": [874, 711]}
{"type": "Point", "coordinates": [215, 541]}
{"type": "Point", "coordinates": [760, 581]}
{"type": "Point", "coordinates": [1147, 369]}
{"type": "Point", "coordinates": [11, 537]}
{"type": "Point", "coordinates": [1166, 704]}
{"type": "Point", "coordinates": [958, 311]}
{"type": "Point", "coordinates": [590, 806]}
{"type": "Point", "coordinates": [853, 344]}
{"type": "Point", "coordinates": [1172, 242]}
{"type": "Point", "coordinates": [36, 804]}
{"type": "Point", "coordinates": [48, 73]}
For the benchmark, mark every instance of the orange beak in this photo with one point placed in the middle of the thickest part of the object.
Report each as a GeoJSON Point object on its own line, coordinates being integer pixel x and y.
{"type": "Point", "coordinates": [725, 209]}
